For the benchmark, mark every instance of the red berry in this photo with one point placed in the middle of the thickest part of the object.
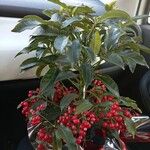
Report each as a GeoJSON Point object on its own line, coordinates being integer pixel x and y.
{"type": "Point", "coordinates": [41, 147]}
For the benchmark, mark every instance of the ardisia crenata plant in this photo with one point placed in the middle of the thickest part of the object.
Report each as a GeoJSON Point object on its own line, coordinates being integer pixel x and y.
{"type": "Point", "coordinates": [76, 101]}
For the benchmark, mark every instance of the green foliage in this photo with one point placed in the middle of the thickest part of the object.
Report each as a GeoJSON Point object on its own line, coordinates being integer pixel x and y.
{"type": "Point", "coordinates": [130, 126]}
{"type": "Point", "coordinates": [87, 74]}
{"type": "Point", "coordinates": [48, 82]}
{"type": "Point", "coordinates": [84, 106]}
{"type": "Point", "coordinates": [66, 100]}
{"type": "Point", "coordinates": [51, 113]}
{"type": "Point", "coordinates": [71, 44]}
{"type": "Point", "coordinates": [128, 102]}
{"type": "Point", "coordinates": [66, 134]}
{"type": "Point", "coordinates": [110, 84]}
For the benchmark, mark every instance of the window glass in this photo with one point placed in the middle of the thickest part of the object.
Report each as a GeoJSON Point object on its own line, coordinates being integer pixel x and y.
{"type": "Point", "coordinates": [10, 44]}
{"type": "Point", "coordinates": [149, 18]}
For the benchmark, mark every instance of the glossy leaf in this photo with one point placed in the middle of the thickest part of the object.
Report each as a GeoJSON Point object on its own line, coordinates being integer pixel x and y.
{"type": "Point", "coordinates": [40, 52]}
{"type": "Point", "coordinates": [96, 42]}
{"type": "Point", "coordinates": [90, 53]}
{"type": "Point", "coordinates": [82, 10]}
{"type": "Point", "coordinates": [128, 102]}
{"type": "Point", "coordinates": [110, 84]}
{"type": "Point", "coordinates": [130, 126]}
{"type": "Point", "coordinates": [136, 57]}
{"type": "Point", "coordinates": [70, 21]}
{"type": "Point", "coordinates": [110, 6]}
{"type": "Point", "coordinates": [47, 12]}
{"type": "Point", "coordinates": [50, 59]}
{"type": "Point", "coordinates": [46, 30]}
{"type": "Point", "coordinates": [29, 63]}
{"type": "Point", "coordinates": [48, 82]}
{"type": "Point", "coordinates": [60, 43]}
{"type": "Point", "coordinates": [58, 2]}
{"type": "Point", "coordinates": [144, 49]}
{"type": "Point", "coordinates": [131, 64]}
{"type": "Point", "coordinates": [67, 99]}
{"type": "Point", "coordinates": [114, 14]}
{"type": "Point", "coordinates": [115, 59]}
{"type": "Point", "coordinates": [66, 134]}
{"type": "Point", "coordinates": [57, 142]}
{"type": "Point", "coordinates": [84, 106]}
{"type": "Point", "coordinates": [87, 74]}
{"type": "Point", "coordinates": [51, 112]}
{"type": "Point", "coordinates": [40, 69]}
{"type": "Point", "coordinates": [56, 18]}
{"type": "Point", "coordinates": [74, 51]}
{"type": "Point", "coordinates": [64, 75]}
{"type": "Point", "coordinates": [112, 37]}
{"type": "Point", "coordinates": [24, 51]}
{"type": "Point", "coordinates": [28, 22]}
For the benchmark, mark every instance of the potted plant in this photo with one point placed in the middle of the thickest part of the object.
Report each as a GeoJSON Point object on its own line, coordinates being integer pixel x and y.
{"type": "Point", "coordinates": [75, 101]}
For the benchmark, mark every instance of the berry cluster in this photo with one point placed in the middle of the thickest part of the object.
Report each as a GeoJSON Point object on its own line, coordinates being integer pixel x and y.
{"type": "Point", "coordinates": [44, 137]}
{"type": "Point", "coordinates": [61, 91]}
{"type": "Point", "coordinates": [108, 118]}
{"type": "Point", "coordinates": [26, 105]}
{"type": "Point", "coordinates": [114, 118]}
{"type": "Point", "coordinates": [100, 84]}
{"type": "Point", "coordinates": [36, 120]}
{"type": "Point", "coordinates": [79, 124]}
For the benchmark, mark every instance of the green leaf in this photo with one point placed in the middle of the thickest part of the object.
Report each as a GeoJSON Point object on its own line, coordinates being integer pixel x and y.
{"type": "Point", "coordinates": [110, 6]}
{"type": "Point", "coordinates": [48, 82]}
{"type": "Point", "coordinates": [46, 30]}
{"type": "Point", "coordinates": [40, 69]}
{"type": "Point", "coordinates": [128, 102]}
{"type": "Point", "coordinates": [131, 64]}
{"type": "Point", "coordinates": [136, 57]}
{"type": "Point", "coordinates": [84, 106]}
{"type": "Point", "coordinates": [79, 10]}
{"type": "Point", "coordinates": [40, 52]}
{"type": "Point", "coordinates": [24, 51]}
{"type": "Point", "coordinates": [57, 142]}
{"type": "Point", "coordinates": [90, 53]}
{"type": "Point", "coordinates": [130, 126]}
{"type": "Point", "coordinates": [51, 113]}
{"type": "Point", "coordinates": [66, 134]}
{"type": "Point", "coordinates": [87, 74]}
{"type": "Point", "coordinates": [113, 34]}
{"type": "Point", "coordinates": [70, 21]}
{"type": "Point", "coordinates": [58, 2]}
{"type": "Point", "coordinates": [114, 14]}
{"type": "Point", "coordinates": [60, 43]}
{"type": "Point", "coordinates": [29, 63]}
{"type": "Point", "coordinates": [67, 99]}
{"type": "Point", "coordinates": [50, 59]}
{"type": "Point", "coordinates": [110, 84]}
{"type": "Point", "coordinates": [47, 12]}
{"type": "Point", "coordinates": [144, 49]}
{"type": "Point", "coordinates": [28, 22]}
{"type": "Point", "coordinates": [96, 42]}
{"type": "Point", "coordinates": [104, 104]}
{"type": "Point", "coordinates": [115, 59]}
{"type": "Point", "coordinates": [74, 51]}
{"type": "Point", "coordinates": [31, 47]}
{"type": "Point", "coordinates": [65, 75]}
{"type": "Point", "coordinates": [56, 18]}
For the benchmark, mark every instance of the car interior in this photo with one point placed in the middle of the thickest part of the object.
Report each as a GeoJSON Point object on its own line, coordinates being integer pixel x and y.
{"type": "Point", "coordinates": [15, 84]}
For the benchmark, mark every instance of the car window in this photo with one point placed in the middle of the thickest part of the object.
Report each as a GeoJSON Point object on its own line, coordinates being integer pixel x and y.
{"type": "Point", "coordinates": [10, 44]}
